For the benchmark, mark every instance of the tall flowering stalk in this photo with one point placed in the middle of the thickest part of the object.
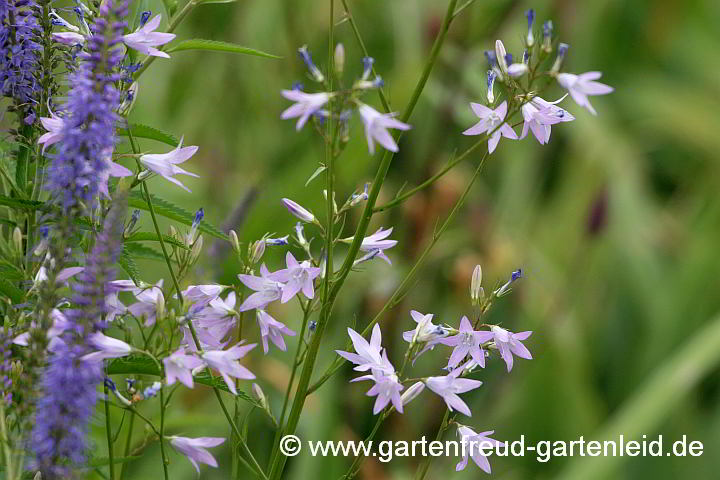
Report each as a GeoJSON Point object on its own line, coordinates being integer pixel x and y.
{"type": "Point", "coordinates": [69, 382]}
{"type": "Point", "coordinates": [79, 169]}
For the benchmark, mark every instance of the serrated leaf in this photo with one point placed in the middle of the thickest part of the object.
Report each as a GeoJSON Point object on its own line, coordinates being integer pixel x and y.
{"type": "Point", "coordinates": [152, 237]}
{"type": "Point", "coordinates": [173, 212]}
{"type": "Point", "coordinates": [317, 172]}
{"type": "Point", "coordinates": [127, 263]}
{"type": "Point", "coordinates": [19, 203]}
{"type": "Point", "coordinates": [217, 46]}
{"type": "Point", "coordinates": [144, 131]}
{"type": "Point", "coordinates": [138, 250]}
{"type": "Point", "coordinates": [142, 365]}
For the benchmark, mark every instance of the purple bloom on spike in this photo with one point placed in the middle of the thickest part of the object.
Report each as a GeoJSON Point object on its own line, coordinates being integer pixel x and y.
{"type": "Point", "coordinates": [297, 276]}
{"type": "Point", "coordinates": [387, 388]}
{"type": "Point", "coordinates": [179, 367]}
{"type": "Point", "coordinates": [108, 347]}
{"type": "Point", "coordinates": [367, 67]}
{"type": "Point", "coordinates": [505, 288]}
{"type": "Point", "coordinates": [277, 241]}
{"type": "Point", "coordinates": [195, 449]}
{"type": "Point", "coordinates": [378, 242]}
{"type": "Point", "coordinates": [474, 446]}
{"type": "Point", "coordinates": [369, 355]}
{"type": "Point", "coordinates": [539, 115]}
{"type": "Point", "coordinates": [448, 388]}
{"type": "Point", "coordinates": [490, 119]}
{"type": "Point", "coordinates": [145, 38]}
{"type": "Point", "coordinates": [271, 329]}
{"type": "Point", "coordinates": [376, 128]}
{"type": "Point", "coordinates": [226, 362]}
{"type": "Point", "coordinates": [165, 164]}
{"type": "Point", "coordinates": [467, 341]}
{"type": "Point", "coordinates": [306, 105]}
{"type": "Point", "coordinates": [583, 86]}
{"type": "Point", "coordinates": [266, 289]}
{"type": "Point", "coordinates": [509, 344]}
{"type": "Point", "coordinates": [425, 333]}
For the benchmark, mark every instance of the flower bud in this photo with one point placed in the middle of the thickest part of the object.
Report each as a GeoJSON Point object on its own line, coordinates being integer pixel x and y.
{"type": "Point", "coordinates": [17, 241]}
{"type": "Point", "coordinates": [298, 211]}
{"type": "Point", "coordinates": [325, 194]}
{"type": "Point", "coordinates": [259, 395]}
{"type": "Point", "coordinates": [234, 241]}
{"type": "Point", "coordinates": [476, 285]}
{"type": "Point", "coordinates": [196, 249]}
{"type": "Point", "coordinates": [530, 39]}
{"type": "Point", "coordinates": [314, 70]}
{"type": "Point", "coordinates": [500, 55]}
{"type": "Point", "coordinates": [300, 236]}
{"type": "Point", "coordinates": [412, 392]}
{"type": "Point", "coordinates": [129, 101]}
{"type": "Point", "coordinates": [561, 51]}
{"type": "Point", "coordinates": [159, 308]}
{"type": "Point", "coordinates": [257, 251]}
{"type": "Point", "coordinates": [339, 59]}
{"type": "Point", "coordinates": [547, 36]}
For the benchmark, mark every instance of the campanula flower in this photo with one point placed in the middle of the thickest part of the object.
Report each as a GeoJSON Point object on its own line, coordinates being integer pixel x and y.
{"type": "Point", "coordinates": [226, 362]}
{"type": "Point", "coordinates": [298, 210]}
{"type": "Point", "coordinates": [108, 347]}
{"type": "Point", "coordinates": [68, 38]}
{"type": "Point", "coordinates": [425, 333]}
{"type": "Point", "coordinates": [165, 164]}
{"type": "Point", "coordinates": [145, 38]}
{"type": "Point", "coordinates": [179, 367]}
{"type": "Point", "coordinates": [148, 300]}
{"type": "Point", "coordinates": [387, 388]}
{"type": "Point", "coordinates": [509, 344]}
{"type": "Point", "coordinates": [448, 388]}
{"type": "Point", "coordinates": [369, 354]}
{"type": "Point", "coordinates": [467, 341]}
{"type": "Point", "coordinates": [297, 276]}
{"type": "Point", "coordinates": [474, 445]}
{"type": "Point", "coordinates": [376, 125]}
{"type": "Point", "coordinates": [539, 115]}
{"type": "Point", "coordinates": [273, 330]}
{"type": "Point", "coordinates": [312, 68]}
{"type": "Point", "coordinates": [266, 289]}
{"type": "Point", "coordinates": [490, 119]}
{"type": "Point", "coordinates": [378, 241]}
{"type": "Point", "coordinates": [306, 104]}
{"type": "Point", "coordinates": [195, 449]}
{"type": "Point", "coordinates": [505, 288]}
{"type": "Point", "coordinates": [582, 86]}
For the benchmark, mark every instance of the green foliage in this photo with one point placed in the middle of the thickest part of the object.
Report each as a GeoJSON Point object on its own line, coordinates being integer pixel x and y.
{"type": "Point", "coordinates": [217, 46]}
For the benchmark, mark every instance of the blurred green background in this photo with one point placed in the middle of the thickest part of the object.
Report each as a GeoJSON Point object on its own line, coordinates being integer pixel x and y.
{"type": "Point", "coordinates": [616, 223]}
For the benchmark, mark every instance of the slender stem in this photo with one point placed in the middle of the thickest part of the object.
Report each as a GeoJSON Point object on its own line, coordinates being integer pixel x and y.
{"type": "Point", "coordinates": [302, 390]}
{"type": "Point", "coordinates": [165, 460]}
{"type": "Point", "coordinates": [7, 451]}
{"type": "Point", "coordinates": [294, 369]}
{"type": "Point", "coordinates": [355, 466]}
{"type": "Point", "coordinates": [402, 288]}
{"type": "Point", "coordinates": [108, 432]}
{"type": "Point", "coordinates": [422, 470]}
{"type": "Point", "coordinates": [128, 441]}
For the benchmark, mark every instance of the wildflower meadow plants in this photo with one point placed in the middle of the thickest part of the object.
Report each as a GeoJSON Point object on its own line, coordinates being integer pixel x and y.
{"type": "Point", "coordinates": [85, 335]}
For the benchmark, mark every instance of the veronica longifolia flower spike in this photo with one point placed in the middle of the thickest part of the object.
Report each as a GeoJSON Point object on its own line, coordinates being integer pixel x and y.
{"type": "Point", "coordinates": [369, 355]}
{"type": "Point", "coordinates": [376, 125]}
{"type": "Point", "coordinates": [179, 367]}
{"type": "Point", "coordinates": [273, 330]}
{"type": "Point", "coordinates": [508, 344]}
{"type": "Point", "coordinates": [539, 115]}
{"type": "Point", "coordinates": [195, 449]}
{"type": "Point", "coordinates": [467, 341]}
{"type": "Point", "coordinates": [474, 445]}
{"type": "Point", "coordinates": [297, 276]}
{"type": "Point", "coordinates": [449, 386]}
{"type": "Point", "coordinates": [582, 86]}
{"type": "Point", "coordinates": [145, 39]}
{"type": "Point", "coordinates": [226, 362]}
{"type": "Point", "coordinates": [306, 104]}
{"type": "Point", "coordinates": [266, 289]}
{"type": "Point", "coordinates": [489, 121]}
{"type": "Point", "coordinates": [165, 164]}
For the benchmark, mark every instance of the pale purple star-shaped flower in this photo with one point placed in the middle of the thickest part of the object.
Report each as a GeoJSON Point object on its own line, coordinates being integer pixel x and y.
{"type": "Point", "coordinates": [489, 120]}
{"type": "Point", "coordinates": [582, 86]}
{"type": "Point", "coordinates": [195, 449]}
{"type": "Point", "coordinates": [59, 325]}
{"type": "Point", "coordinates": [165, 164]}
{"type": "Point", "coordinates": [68, 38]}
{"type": "Point", "coordinates": [226, 362]}
{"type": "Point", "coordinates": [54, 126]}
{"type": "Point", "coordinates": [266, 289]}
{"type": "Point", "coordinates": [369, 354]}
{"type": "Point", "coordinates": [426, 332]}
{"type": "Point", "coordinates": [147, 303]}
{"type": "Point", "coordinates": [475, 445]}
{"type": "Point", "coordinates": [306, 104]}
{"type": "Point", "coordinates": [179, 367]}
{"type": "Point", "coordinates": [296, 277]}
{"type": "Point", "coordinates": [539, 115]}
{"type": "Point", "coordinates": [387, 388]}
{"type": "Point", "coordinates": [273, 330]}
{"type": "Point", "coordinates": [467, 341]}
{"type": "Point", "coordinates": [378, 241]}
{"type": "Point", "coordinates": [218, 317]}
{"type": "Point", "coordinates": [448, 388]}
{"type": "Point", "coordinates": [107, 347]}
{"type": "Point", "coordinates": [145, 38]}
{"type": "Point", "coordinates": [203, 294]}
{"type": "Point", "coordinates": [376, 125]}
{"type": "Point", "coordinates": [509, 344]}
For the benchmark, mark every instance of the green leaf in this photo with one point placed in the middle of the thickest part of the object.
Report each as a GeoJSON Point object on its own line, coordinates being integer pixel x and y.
{"type": "Point", "coordinates": [152, 237]}
{"type": "Point", "coordinates": [142, 365]}
{"type": "Point", "coordinates": [214, 45]}
{"type": "Point", "coordinates": [128, 264]}
{"type": "Point", "coordinates": [9, 271]}
{"type": "Point", "coordinates": [173, 212]}
{"type": "Point", "coordinates": [12, 292]}
{"type": "Point", "coordinates": [152, 133]}
{"type": "Point", "coordinates": [317, 172]}
{"type": "Point", "coordinates": [138, 250]}
{"type": "Point", "coordinates": [19, 203]}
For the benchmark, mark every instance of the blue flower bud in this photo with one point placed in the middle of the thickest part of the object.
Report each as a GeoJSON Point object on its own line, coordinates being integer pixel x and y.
{"type": "Point", "coordinates": [144, 17]}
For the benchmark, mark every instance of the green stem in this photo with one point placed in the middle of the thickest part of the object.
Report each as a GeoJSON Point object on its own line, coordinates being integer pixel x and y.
{"type": "Point", "coordinates": [422, 470]}
{"type": "Point", "coordinates": [128, 441]}
{"type": "Point", "coordinates": [7, 451]}
{"type": "Point", "coordinates": [302, 390]}
{"type": "Point", "coordinates": [108, 432]}
{"type": "Point", "coordinates": [163, 454]}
